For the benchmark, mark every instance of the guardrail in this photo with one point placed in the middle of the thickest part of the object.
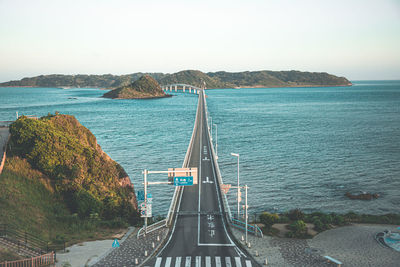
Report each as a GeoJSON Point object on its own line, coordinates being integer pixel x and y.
{"type": "Point", "coordinates": [152, 227]}
{"type": "Point", "coordinates": [42, 260]}
{"type": "Point", "coordinates": [27, 240]}
{"type": "Point", "coordinates": [253, 229]}
{"type": "Point", "coordinates": [219, 176]}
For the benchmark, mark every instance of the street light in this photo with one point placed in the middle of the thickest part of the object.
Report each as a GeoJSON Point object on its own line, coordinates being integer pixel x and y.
{"type": "Point", "coordinates": [238, 192]}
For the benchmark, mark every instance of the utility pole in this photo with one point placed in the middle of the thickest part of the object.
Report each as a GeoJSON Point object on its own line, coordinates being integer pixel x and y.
{"type": "Point", "coordinates": [145, 199]}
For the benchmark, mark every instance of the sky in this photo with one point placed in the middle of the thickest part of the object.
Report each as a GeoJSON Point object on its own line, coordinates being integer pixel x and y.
{"type": "Point", "coordinates": [358, 39]}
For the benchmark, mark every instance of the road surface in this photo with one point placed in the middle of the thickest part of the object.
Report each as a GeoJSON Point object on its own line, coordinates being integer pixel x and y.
{"type": "Point", "coordinates": [200, 235]}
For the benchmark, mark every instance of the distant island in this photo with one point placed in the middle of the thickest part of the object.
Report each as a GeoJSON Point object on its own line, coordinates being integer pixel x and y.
{"type": "Point", "coordinates": [144, 87]}
{"type": "Point", "coordinates": [213, 80]}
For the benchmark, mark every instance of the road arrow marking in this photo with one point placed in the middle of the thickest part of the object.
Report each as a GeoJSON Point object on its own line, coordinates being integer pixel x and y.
{"type": "Point", "coordinates": [207, 181]}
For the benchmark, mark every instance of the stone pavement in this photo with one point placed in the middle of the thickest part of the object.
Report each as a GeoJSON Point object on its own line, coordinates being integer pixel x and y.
{"type": "Point", "coordinates": [282, 252]}
{"type": "Point", "coordinates": [132, 249]}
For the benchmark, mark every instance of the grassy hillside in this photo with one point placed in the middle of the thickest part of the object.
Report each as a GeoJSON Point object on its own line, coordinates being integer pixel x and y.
{"type": "Point", "coordinates": [144, 87]}
{"type": "Point", "coordinates": [59, 184]}
{"type": "Point", "coordinates": [219, 79]}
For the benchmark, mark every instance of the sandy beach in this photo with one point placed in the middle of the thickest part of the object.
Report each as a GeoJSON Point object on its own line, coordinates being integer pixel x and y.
{"type": "Point", "coordinates": [353, 245]}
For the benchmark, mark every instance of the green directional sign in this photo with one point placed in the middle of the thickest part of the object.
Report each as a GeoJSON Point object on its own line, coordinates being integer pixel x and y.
{"type": "Point", "coordinates": [183, 181]}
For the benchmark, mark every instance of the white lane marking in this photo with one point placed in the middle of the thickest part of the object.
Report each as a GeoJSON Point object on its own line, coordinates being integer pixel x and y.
{"type": "Point", "coordinates": [188, 261]}
{"type": "Point", "coordinates": [215, 245]}
{"type": "Point", "coordinates": [168, 262]}
{"type": "Point", "coordinates": [178, 262]}
{"type": "Point", "coordinates": [198, 261]}
{"type": "Point", "coordinates": [158, 262]}
{"type": "Point", "coordinates": [239, 252]}
{"type": "Point", "coordinates": [208, 261]}
{"type": "Point", "coordinates": [248, 263]}
{"type": "Point", "coordinates": [228, 262]}
{"type": "Point", "coordinates": [218, 261]}
{"type": "Point", "coordinates": [238, 262]}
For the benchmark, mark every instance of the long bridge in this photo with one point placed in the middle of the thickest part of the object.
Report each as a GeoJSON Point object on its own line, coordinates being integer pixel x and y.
{"type": "Point", "coordinates": [200, 233]}
{"type": "Point", "coordinates": [181, 86]}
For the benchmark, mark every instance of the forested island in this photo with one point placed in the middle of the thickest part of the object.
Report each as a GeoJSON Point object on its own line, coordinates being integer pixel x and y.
{"type": "Point", "coordinates": [144, 87]}
{"type": "Point", "coordinates": [219, 79]}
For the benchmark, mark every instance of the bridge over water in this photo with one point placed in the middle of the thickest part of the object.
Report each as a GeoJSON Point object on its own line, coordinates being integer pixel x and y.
{"type": "Point", "coordinates": [181, 86]}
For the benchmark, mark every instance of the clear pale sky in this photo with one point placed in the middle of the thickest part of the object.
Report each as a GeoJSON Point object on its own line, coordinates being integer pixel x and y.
{"type": "Point", "coordinates": [358, 39]}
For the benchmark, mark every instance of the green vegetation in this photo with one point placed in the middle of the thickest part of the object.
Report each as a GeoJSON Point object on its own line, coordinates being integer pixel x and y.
{"type": "Point", "coordinates": [144, 87]}
{"type": "Point", "coordinates": [298, 229]}
{"type": "Point", "coordinates": [268, 219]}
{"type": "Point", "coordinates": [219, 79]}
{"type": "Point", "coordinates": [58, 184]}
{"type": "Point", "coordinates": [296, 219]}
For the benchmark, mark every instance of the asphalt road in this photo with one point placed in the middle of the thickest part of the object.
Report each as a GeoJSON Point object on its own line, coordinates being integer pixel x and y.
{"type": "Point", "coordinates": [200, 235]}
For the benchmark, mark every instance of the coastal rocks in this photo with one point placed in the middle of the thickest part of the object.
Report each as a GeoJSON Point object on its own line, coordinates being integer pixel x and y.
{"type": "Point", "coordinates": [362, 196]}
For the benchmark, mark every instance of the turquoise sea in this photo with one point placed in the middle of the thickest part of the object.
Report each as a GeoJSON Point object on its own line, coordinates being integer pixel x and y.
{"type": "Point", "coordinates": [299, 147]}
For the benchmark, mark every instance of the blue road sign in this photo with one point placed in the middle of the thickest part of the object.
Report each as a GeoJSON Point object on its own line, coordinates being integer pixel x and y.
{"type": "Point", "coordinates": [115, 244]}
{"type": "Point", "coordinates": [140, 195]}
{"type": "Point", "coordinates": [149, 195]}
{"type": "Point", "coordinates": [184, 180]}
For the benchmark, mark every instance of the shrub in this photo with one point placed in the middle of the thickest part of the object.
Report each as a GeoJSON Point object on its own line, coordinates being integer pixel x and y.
{"type": "Point", "coordinates": [268, 219]}
{"type": "Point", "coordinates": [296, 215]}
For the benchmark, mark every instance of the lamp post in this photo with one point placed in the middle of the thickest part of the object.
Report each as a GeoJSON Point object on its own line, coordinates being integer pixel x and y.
{"type": "Point", "coordinates": [238, 186]}
{"type": "Point", "coordinates": [246, 210]}
{"type": "Point", "coordinates": [216, 140]}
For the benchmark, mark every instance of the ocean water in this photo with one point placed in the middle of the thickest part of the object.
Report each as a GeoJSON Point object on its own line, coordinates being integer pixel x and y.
{"type": "Point", "coordinates": [299, 147]}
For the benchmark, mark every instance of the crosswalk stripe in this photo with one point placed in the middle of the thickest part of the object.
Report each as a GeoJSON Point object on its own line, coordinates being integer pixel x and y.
{"type": "Point", "coordinates": [217, 261]}
{"type": "Point", "coordinates": [178, 262]}
{"type": "Point", "coordinates": [198, 261]}
{"type": "Point", "coordinates": [228, 262]}
{"type": "Point", "coordinates": [188, 261]}
{"type": "Point", "coordinates": [158, 262]}
{"type": "Point", "coordinates": [248, 263]}
{"type": "Point", "coordinates": [238, 262]}
{"type": "Point", "coordinates": [168, 262]}
{"type": "Point", "coordinates": [208, 261]}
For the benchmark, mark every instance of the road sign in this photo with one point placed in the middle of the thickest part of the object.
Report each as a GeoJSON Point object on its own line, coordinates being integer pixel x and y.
{"type": "Point", "coordinates": [143, 213]}
{"type": "Point", "coordinates": [143, 206]}
{"type": "Point", "coordinates": [187, 180]}
{"type": "Point", "coordinates": [115, 244]}
{"type": "Point", "coordinates": [225, 188]}
{"type": "Point", "coordinates": [148, 210]}
{"type": "Point", "coordinates": [140, 195]}
{"type": "Point", "coordinates": [149, 198]}
{"type": "Point", "coordinates": [182, 172]}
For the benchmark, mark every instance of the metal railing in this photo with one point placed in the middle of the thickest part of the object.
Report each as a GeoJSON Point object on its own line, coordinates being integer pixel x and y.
{"type": "Point", "coordinates": [23, 239]}
{"type": "Point", "coordinates": [253, 229]}
{"type": "Point", "coordinates": [151, 227]}
{"type": "Point", "coordinates": [42, 260]}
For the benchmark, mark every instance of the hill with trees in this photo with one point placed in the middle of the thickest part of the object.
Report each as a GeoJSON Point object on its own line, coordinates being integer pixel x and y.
{"type": "Point", "coordinates": [219, 79]}
{"type": "Point", "coordinates": [58, 184]}
{"type": "Point", "coordinates": [144, 87]}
